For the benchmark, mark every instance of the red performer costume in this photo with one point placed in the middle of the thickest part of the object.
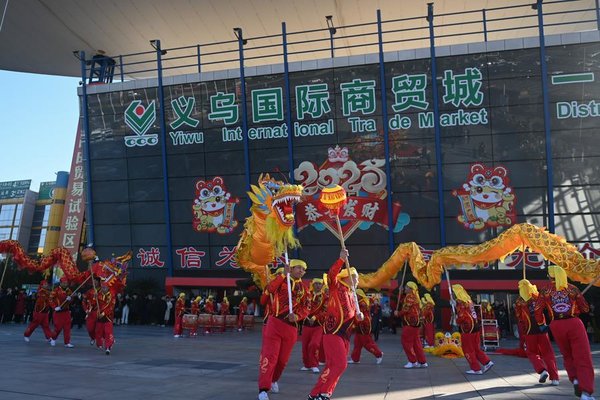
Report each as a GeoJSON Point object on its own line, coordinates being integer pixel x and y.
{"type": "Point", "coordinates": [60, 300]}
{"type": "Point", "coordinates": [564, 302]}
{"type": "Point", "coordinates": [209, 306]}
{"type": "Point", "coordinates": [281, 331]}
{"type": "Point", "coordinates": [91, 311]}
{"type": "Point", "coordinates": [195, 310]}
{"type": "Point", "coordinates": [106, 315]}
{"type": "Point", "coordinates": [225, 306]}
{"type": "Point", "coordinates": [470, 328]}
{"type": "Point", "coordinates": [243, 308]}
{"type": "Point", "coordinates": [538, 347]}
{"type": "Point", "coordinates": [312, 331]}
{"type": "Point", "coordinates": [363, 337]}
{"type": "Point", "coordinates": [427, 313]}
{"type": "Point", "coordinates": [40, 313]}
{"type": "Point", "coordinates": [179, 311]}
{"type": "Point", "coordinates": [341, 309]}
{"type": "Point", "coordinates": [411, 319]}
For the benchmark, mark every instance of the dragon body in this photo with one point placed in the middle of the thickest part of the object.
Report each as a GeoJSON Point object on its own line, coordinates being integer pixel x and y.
{"type": "Point", "coordinates": [113, 271]}
{"type": "Point", "coordinates": [268, 231]}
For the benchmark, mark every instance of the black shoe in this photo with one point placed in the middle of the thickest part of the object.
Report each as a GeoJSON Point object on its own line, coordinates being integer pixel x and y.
{"type": "Point", "coordinates": [576, 389]}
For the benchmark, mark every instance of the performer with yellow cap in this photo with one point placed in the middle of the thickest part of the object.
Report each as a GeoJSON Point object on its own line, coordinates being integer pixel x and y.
{"type": "Point", "coordinates": [341, 309]}
{"type": "Point", "coordinates": [427, 308]}
{"type": "Point", "coordinates": [362, 337]}
{"type": "Point", "coordinates": [40, 314]}
{"type": "Point", "coordinates": [312, 330]}
{"type": "Point", "coordinates": [411, 320]}
{"type": "Point", "coordinates": [470, 327]}
{"type": "Point", "coordinates": [179, 311]}
{"type": "Point", "coordinates": [537, 344]}
{"type": "Point", "coordinates": [195, 310]}
{"type": "Point", "coordinates": [281, 332]}
{"type": "Point", "coordinates": [564, 303]}
{"type": "Point", "coordinates": [487, 312]}
{"type": "Point", "coordinates": [243, 308]}
{"type": "Point", "coordinates": [224, 306]}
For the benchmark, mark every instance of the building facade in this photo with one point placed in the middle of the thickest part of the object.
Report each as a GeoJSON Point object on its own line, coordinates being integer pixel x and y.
{"type": "Point", "coordinates": [440, 146]}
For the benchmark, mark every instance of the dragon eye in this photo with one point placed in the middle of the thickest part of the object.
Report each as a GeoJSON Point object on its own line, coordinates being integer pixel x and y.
{"type": "Point", "coordinates": [496, 182]}
{"type": "Point", "coordinates": [479, 179]}
{"type": "Point", "coordinates": [204, 193]}
{"type": "Point", "coordinates": [217, 190]}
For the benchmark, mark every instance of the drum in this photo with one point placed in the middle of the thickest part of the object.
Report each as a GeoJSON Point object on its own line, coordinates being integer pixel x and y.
{"type": "Point", "coordinates": [204, 320]}
{"type": "Point", "coordinates": [231, 321]}
{"type": "Point", "coordinates": [190, 321]}
{"type": "Point", "coordinates": [248, 321]}
{"type": "Point", "coordinates": [218, 322]}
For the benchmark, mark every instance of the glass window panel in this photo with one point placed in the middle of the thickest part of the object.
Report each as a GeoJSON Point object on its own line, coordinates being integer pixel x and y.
{"type": "Point", "coordinates": [7, 214]}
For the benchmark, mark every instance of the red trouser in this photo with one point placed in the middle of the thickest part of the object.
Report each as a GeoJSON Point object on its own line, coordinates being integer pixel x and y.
{"type": "Point", "coordinates": [178, 329]}
{"type": "Point", "coordinates": [39, 318]}
{"type": "Point", "coordinates": [90, 324]}
{"type": "Point", "coordinates": [541, 355]}
{"type": "Point", "coordinates": [336, 362]}
{"type": "Point", "coordinates": [412, 344]}
{"type": "Point", "coordinates": [104, 334]}
{"type": "Point", "coordinates": [278, 341]}
{"type": "Point", "coordinates": [240, 321]}
{"type": "Point", "coordinates": [311, 345]}
{"type": "Point", "coordinates": [368, 343]}
{"type": "Point", "coordinates": [572, 340]}
{"type": "Point", "coordinates": [428, 333]}
{"type": "Point", "coordinates": [62, 320]}
{"type": "Point", "coordinates": [471, 345]}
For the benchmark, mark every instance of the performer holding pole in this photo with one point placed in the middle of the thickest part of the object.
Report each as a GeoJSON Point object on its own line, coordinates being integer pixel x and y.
{"type": "Point", "coordinates": [427, 312]}
{"type": "Point", "coordinates": [40, 313]}
{"type": "Point", "coordinates": [411, 321]}
{"type": "Point", "coordinates": [281, 331]}
{"type": "Point", "coordinates": [564, 303]}
{"type": "Point", "coordinates": [179, 311]}
{"type": "Point", "coordinates": [362, 336]}
{"type": "Point", "coordinates": [470, 328]}
{"type": "Point", "coordinates": [339, 316]}
{"type": "Point", "coordinates": [60, 299]}
{"type": "Point", "coordinates": [312, 330]}
{"type": "Point", "coordinates": [106, 314]}
{"type": "Point", "coordinates": [538, 348]}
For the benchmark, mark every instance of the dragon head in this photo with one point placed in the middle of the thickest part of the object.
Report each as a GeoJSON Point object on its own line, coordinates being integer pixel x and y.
{"type": "Point", "coordinates": [274, 201]}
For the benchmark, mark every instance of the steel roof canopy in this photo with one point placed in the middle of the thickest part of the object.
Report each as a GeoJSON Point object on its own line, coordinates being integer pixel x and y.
{"type": "Point", "coordinates": [40, 36]}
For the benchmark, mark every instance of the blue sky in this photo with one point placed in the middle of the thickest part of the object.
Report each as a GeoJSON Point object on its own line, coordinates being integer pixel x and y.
{"type": "Point", "coordinates": [38, 120]}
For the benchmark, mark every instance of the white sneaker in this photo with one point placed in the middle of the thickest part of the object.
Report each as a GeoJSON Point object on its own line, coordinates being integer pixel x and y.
{"type": "Point", "coordinates": [585, 396]}
{"type": "Point", "coordinates": [274, 387]}
{"type": "Point", "coordinates": [424, 365]}
{"type": "Point", "coordinates": [315, 370]}
{"type": "Point", "coordinates": [304, 369]}
{"type": "Point", "coordinates": [471, 372]}
{"type": "Point", "coordinates": [176, 335]}
{"type": "Point", "coordinates": [543, 376]}
{"type": "Point", "coordinates": [25, 338]}
{"type": "Point", "coordinates": [351, 361]}
{"type": "Point", "coordinates": [69, 345]}
{"type": "Point", "coordinates": [378, 360]}
{"type": "Point", "coordinates": [555, 382]}
{"type": "Point", "coordinates": [52, 342]}
{"type": "Point", "coordinates": [263, 396]}
{"type": "Point", "coordinates": [92, 342]}
{"type": "Point", "coordinates": [107, 352]}
{"type": "Point", "coordinates": [488, 366]}
{"type": "Point", "coordinates": [410, 365]}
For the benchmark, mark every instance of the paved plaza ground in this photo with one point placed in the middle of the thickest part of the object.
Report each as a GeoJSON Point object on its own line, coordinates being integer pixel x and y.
{"type": "Point", "coordinates": [148, 363]}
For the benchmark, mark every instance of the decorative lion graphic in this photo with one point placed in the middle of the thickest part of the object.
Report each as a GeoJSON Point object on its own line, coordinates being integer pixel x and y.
{"type": "Point", "coordinates": [268, 231]}
{"type": "Point", "coordinates": [486, 199]}
{"type": "Point", "coordinates": [213, 207]}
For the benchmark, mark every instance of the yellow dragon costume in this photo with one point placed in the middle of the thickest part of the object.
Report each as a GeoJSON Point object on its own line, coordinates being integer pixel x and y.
{"type": "Point", "coordinates": [268, 232]}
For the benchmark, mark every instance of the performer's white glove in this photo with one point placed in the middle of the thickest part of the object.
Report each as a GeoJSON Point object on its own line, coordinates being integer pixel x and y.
{"type": "Point", "coordinates": [57, 308]}
{"type": "Point", "coordinates": [68, 298]}
{"type": "Point", "coordinates": [453, 303]}
{"type": "Point", "coordinates": [360, 316]}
